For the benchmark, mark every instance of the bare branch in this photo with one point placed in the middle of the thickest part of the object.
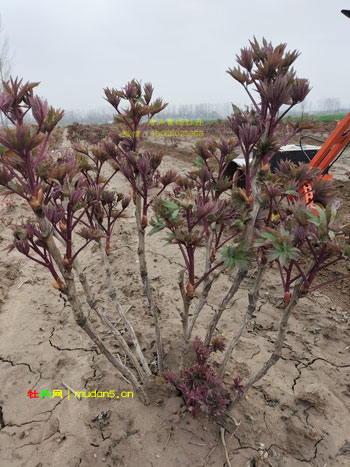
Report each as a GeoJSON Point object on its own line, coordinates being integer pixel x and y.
{"type": "Point", "coordinates": [253, 299]}
{"type": "Point", "coordinates": [184, 316]}
{"type": "Point", "coordinates": [144, 274]}
{"type": "Point", "coordinates": [241, 274]}
{"type": "Point", "coordinates": [80, 318]}
{"type": "Point", "coordinates": [280, 338]}
{"type": "Point", "coordinates": [207, 283]}
{"type": "Point", "coordinates": [126, 322]}
{"type": "Point", "coordinates": [92, 302]}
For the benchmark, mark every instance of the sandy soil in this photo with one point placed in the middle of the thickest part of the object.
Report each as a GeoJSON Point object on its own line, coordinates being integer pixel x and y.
{"type": "Point", "coordinates": [298, 415]}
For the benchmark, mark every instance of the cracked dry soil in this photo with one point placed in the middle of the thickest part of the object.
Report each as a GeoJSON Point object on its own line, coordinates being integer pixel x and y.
{"type": "Point", "coordinates": [298, 415]}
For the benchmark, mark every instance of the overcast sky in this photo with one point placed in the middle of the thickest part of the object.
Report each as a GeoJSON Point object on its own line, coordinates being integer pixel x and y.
{"type": "Point", "coordinates": [78, 47]}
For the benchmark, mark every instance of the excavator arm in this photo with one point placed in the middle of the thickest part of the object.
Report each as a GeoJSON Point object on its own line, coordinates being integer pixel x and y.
{"type": "Point", "coordinates": [331, 149]}
{"type": "Point", "coordinates": [333, 146]}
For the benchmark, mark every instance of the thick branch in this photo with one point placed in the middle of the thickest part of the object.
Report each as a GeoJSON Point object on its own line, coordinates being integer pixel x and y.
{"type": "Point", "coordinates": [243, 271]}
{"type": "Point", "coordinates": [92, 302]}
{"type": "Point", "coordinates": [144, 274]}
{"type": "Point", "coordinates": [186, 301]}
{"type": "Point", "coordinates": [126, 322]}
{"type": "Point", "coordinates": [202, 301]}
{"type": "Point", "coordinates": [241, 274]}
{"type": "Point", "coordinates": [253, 299]}
{"type": "Point", "coordinates": [280, 338]}
{"type": "Point", "coordinates": [207, 283]}
{"type": "Point", "coordinates": [80, 318]}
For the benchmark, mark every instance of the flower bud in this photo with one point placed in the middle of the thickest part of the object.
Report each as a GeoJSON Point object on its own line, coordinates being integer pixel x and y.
{"type": "Point", "coordinates": [189, 290]}
{"type": "Point", "coordinates": [243, 194]}
{"type": "Point", "coordinates": [133, 195]}
{"type": "Point", "coordinates": [67, 262]}
{"type": "Point", "coordinates": [59, 285]}
{"type": "Point", "coordinates": [286, 298]}
{"type": "Point", "coordinates": [266, 168]}
{"type": "Point", "coordinates": [107, 247]}
{"type": "Point", "coordinates": [62, 226]}
{"type": "Point", "coordinates": [37, 202]}
{"type": "Point", "coordinates": [125, 202]}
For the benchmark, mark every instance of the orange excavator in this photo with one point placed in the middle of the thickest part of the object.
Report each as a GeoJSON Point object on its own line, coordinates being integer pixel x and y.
{"type": "Point", "coordinates": [319, 157]}
{"type": "Point", "coordinates": [327, 155]}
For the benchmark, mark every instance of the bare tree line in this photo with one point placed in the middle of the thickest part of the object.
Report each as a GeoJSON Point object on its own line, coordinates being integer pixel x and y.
{"type": "Point", "coordinates": [203, 111]}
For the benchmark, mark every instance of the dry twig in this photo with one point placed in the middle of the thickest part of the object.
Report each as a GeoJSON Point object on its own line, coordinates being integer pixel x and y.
{"type": "Point", "coordinates": [222, 433]}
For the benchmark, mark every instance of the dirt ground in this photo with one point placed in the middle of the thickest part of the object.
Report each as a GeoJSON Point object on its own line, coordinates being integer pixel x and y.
{"type": "Point", "coordinates": [297, 415]}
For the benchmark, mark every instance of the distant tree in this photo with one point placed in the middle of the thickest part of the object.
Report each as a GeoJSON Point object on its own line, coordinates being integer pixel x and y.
{"type": "Point", "coordinates": [4, 63]}
{"type": "Point", "coordinates": [303, 106]}
{"type": "Point", "coordinates": [330, 104]}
